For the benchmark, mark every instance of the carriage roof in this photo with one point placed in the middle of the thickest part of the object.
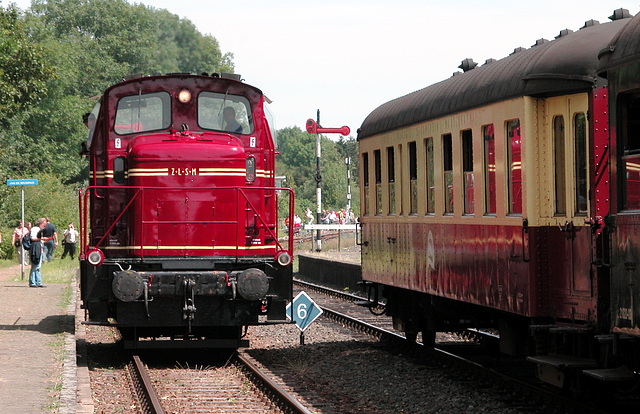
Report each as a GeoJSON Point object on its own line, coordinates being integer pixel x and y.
{"type": "Point", "coordinates": [567, 64]}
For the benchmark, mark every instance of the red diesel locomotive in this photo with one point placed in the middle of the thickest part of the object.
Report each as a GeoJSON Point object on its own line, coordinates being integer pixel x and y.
{"type": "Point", "coordinates": [179, 225]}
{"type": "Point", "coordinates": [501, 198]}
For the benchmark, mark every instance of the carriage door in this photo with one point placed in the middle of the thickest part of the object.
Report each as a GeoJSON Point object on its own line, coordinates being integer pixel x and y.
{"type": "Point", "coordinates": [569, 239]}
{"type": "Point", "coordinates": [625, 279]}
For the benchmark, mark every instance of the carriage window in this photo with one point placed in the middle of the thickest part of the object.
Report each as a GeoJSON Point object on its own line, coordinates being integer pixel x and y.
{"type": "Point", "coordinates": [489, 169]}
{"type": "Point", "coordinates": [365, 180]}
{"type": "Point", "coordinates": [391, 170]}
{"type": "Point", "coordinates": [225, 112]}
{"type": "Point", "coordinates": [558, 158]}
{"type": "Point", "coordinates": [142, 113]}
{"type": "Point", "coordinates": [629, 162]}
{"type": "Point", "coordinates": [580, 131]}
{"type": "Point", "coordinates": [431, 187]}
{"type": "Point", "coordinates": [467, 170]}
{"type": "Point", "coordinates": [515, 166]}
{"type": "Point", "coordinates": [378, 170]}
{"type": "Point", "coordinates": [447, 153]}
{"type": "Point", "coordinates": [413, 178]}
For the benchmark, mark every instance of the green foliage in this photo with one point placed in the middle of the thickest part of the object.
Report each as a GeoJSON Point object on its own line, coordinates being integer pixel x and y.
{"type": "Point", "coordinates": [107, 40]}
{"type": "Point", "coordinates": [50, 198]}
{"type": "Point", "coordinates": [297, 161]}
{"type": "Point", "coordinates": [23, 69]}
{"type": "Point", "coordinates": [181, 48]}
{"type": "Point", "coordinates": [7, 251]}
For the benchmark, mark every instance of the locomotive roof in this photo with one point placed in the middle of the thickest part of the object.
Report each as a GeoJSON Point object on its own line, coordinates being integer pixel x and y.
{"type": "Point", "coordinates": [624, 47]}
{"type": "Point", "coordinates": [567, 64]}
{"type": "Point", "coordinates": [220, 80]}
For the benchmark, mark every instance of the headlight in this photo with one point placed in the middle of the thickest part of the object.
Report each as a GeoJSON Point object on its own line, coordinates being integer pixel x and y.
{"type": "Point", "coordinates": [184, 96]}
{"type": "Point", "coordinates": [283, 258]}
{"type": "Point", "coordinates": [95, 257]}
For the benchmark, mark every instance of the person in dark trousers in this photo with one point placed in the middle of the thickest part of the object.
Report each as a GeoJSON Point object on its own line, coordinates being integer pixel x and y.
{"type": "Point", "coordinates": [51, 235]}
{"type": "Point", "coordinates": [36, 252]}
{"type": "Point", "coordinates": [69, 241]}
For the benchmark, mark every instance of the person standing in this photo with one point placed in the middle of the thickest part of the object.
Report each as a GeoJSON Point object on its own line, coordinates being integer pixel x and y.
{"type": "Point", "coordinates": [69, 241]}
{"type": "Point", "coordinates": [51, 235]}
{"type": "Point", "coordinates": [16, 239]}
{"type": "Point", "coordinates": [36, 252]}
{"type": "Point", "coordinates": [308, 215]}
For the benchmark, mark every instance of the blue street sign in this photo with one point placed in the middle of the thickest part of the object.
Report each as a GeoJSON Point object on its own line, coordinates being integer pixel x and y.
{"type": "Point", "coordinates": [26, 181]}
{"type": "Point", "coordinates": [305, 311]}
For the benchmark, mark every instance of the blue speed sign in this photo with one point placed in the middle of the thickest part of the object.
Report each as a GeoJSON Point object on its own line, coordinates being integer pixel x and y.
{"type": "Point", "coordinates": [305, 311]}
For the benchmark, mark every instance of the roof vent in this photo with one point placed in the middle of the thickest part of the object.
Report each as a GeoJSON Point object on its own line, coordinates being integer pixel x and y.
{"type": "Point", "coordinates": [516, 50]}
{"type": "Point", "coordinates": [456, 73]}
{"type": "Point", "coordinates": [467, 65]}
{"type": "Point", "coordinates": [490, 60]}
{"type": "Point", "coordinates": [540, 42]}
{"type": "Point", "coordinates": [233, 76]}
{"type": "Point", "coordinates": [620, 14]}
{"type": "Point", "coordinates": [590, 23]}
{"type": "Point", "coordinates": [564, 33]}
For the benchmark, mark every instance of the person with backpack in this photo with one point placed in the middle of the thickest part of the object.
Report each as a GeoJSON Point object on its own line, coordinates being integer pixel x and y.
{"type": "Point", "coordinates": [26, 242]}
{"type": "Point", "coordinates": [36, 252]}
{"type": "Point", "coordinates": [69, 241]}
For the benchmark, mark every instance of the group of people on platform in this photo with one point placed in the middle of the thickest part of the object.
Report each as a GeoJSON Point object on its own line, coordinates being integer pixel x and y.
{"type": "Point", "coordinates": [327, 217]}
{"type": "Point", "coordinates": [35, 244]}
{"type": "Point", "coordinates": [338, 217]}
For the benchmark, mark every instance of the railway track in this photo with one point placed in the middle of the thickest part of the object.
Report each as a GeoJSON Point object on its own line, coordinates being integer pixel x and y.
{"type": "Point", "coordinates": [238, 387]}
{"type": "Point", "coordinates": [471, 357]}
{"type": "Point", "coordinates": [339, 370]}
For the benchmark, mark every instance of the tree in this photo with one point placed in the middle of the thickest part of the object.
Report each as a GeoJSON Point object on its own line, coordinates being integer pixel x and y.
{"type": "Point", "coordinates": [297, 161]}
{"type": "Point", "coordinates": [23, 68]}
{"type": "Point", "coordinates": [181, 48]}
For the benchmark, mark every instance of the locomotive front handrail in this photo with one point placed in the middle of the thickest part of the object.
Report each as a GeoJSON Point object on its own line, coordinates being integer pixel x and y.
{"type": "Point", "coordinates": [139, 191]}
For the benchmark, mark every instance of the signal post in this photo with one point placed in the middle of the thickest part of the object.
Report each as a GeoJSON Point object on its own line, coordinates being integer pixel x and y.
{"type": "Point", "coordinates": [314, 127]}
{"type": "Point", "coordinates": [22, 183]}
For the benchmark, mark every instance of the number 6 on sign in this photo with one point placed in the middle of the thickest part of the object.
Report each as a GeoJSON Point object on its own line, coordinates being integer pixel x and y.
{"type": "Point", "coordinates": [302, 311]}
{"type": "Point", "coordinates": [306, 311]}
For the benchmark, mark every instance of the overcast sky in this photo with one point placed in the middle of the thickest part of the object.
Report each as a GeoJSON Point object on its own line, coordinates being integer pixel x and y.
{"type": "Point", "coordinates": [347, 57]}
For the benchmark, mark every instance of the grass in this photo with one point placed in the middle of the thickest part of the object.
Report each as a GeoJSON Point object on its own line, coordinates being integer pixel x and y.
{"type": "Point", "coordinates": [57, 271]}
{"type": "Point", "coordinates": [4, 263]}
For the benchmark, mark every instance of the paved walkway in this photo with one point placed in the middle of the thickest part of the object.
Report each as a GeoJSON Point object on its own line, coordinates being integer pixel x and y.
{"type": "Point", "coordinates": [33, 323]}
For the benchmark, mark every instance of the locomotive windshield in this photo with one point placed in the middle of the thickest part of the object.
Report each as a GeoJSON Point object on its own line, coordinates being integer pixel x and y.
{"type": "Point", "coordinates": [225, 112]}
{"type": "Point", "coordinates": [142, 113]}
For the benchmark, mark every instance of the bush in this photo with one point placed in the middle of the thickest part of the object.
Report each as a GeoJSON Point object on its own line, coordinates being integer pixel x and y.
{"type": "Point", "coordinates": [7, 251]}
{"type": "Point", "coordinates": [50, 198]}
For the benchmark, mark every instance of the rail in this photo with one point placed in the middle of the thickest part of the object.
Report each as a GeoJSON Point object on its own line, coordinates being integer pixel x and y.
{"type": "Point", "coordinates": [150, 403]}
{"type": "Point", "coordinates": [138, 193]}
{"type": "Point", "coordinates": [276, 393]}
